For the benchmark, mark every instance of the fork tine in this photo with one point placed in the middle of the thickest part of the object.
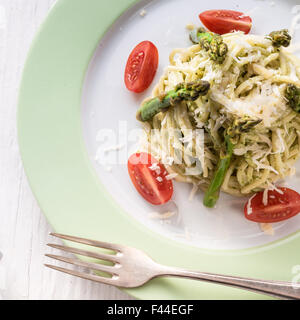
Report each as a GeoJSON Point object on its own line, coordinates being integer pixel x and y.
{"type": "Point", "coordinates": [93, 266]}
{"type": "Point", "coordinates": [109, 281]}
{"type": "Point", "coordinates": [101, 256]}
{"type": "Point", "coordinates": [88, 242]}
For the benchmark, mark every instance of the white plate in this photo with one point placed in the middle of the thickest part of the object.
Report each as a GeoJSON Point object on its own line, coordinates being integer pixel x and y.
{"type": "Point", "coordinates": [164, 25]}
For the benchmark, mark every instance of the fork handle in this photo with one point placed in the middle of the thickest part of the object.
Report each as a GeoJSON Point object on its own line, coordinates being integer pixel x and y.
{"type": "Point", "coordinates": [277, 289]}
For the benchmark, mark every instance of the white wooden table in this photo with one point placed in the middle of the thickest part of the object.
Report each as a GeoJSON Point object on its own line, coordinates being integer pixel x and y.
{"type": "Point", "coordinates": [24, 231]}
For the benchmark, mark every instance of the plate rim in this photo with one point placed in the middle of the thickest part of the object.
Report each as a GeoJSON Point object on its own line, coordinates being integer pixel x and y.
{"type": "Point", "coordinates": [50, 77]}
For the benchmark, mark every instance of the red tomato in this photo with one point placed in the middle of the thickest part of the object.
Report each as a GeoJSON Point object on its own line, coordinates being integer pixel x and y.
{"type": "Point", "coordinates": [280, 206]}
{"type": "Point", "coordinates": [226, 21]}
{"type": "Point", "coordinates": [150, 183]}
{"type": "Point", "coordinates": [141, 67]}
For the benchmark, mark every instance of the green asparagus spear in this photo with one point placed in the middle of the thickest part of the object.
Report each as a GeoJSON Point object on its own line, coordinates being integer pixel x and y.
{"type": "Point", "coordinates": [183, 92]}
{"type": "Point", "coordinates": [292, 94]}
{"type": "Point", "coordinates": [239, 126]}
{"type": "Point", "coordinates": [212, 194]}
{"type": "Point", "coordinates": [280, 38]}
{"type": "Point", "coordinates": [210, 42]}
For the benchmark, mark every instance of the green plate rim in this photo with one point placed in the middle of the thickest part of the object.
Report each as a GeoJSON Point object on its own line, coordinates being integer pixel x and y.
{"type": "Point", "coordinates": [50, 139]}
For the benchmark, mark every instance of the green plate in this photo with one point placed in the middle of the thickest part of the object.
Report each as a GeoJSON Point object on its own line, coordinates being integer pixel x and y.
{"type": "Point", "coordinates": [66, 185]}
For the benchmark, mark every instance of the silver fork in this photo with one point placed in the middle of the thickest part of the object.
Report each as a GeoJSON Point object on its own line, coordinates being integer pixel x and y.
{"type": "Point", "coordinates": [132, 268]}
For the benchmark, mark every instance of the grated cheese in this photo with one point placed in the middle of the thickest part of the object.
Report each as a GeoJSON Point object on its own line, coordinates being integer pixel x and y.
{"type": "Point", "coordinates": [249, 205]}
{"type": "Point", "coordinates": [281, 148]}
{"type": "Point", "coordinates": [171, 176]}
{"type": "Point", "coordinates": [188, 138]}
{"type": "Point", "coordinates": [264, 166]}
{"type": "Point", "coordinates": [263, 106]}
{"type": "Point", "coordinates": [155, 167]}
{"type": "Point", "coordinates": [196, 171]}
{"type": "Point", "coordinates": [164, 121]}
{"type": "Point", "coordinates": [143, 13]}
{"type": "Point", "coordinates": [272, 187]}
{"type": "Point", "coordinates": [193, 192]}
{"type": "Point", "coordinates": [265, 197]}
{"type": "Point", "coordinates": [267, 229]}
{"type": "Point", "coordinates": [162, 216]}
{"type": "Point", "coordinates": [169, 161]}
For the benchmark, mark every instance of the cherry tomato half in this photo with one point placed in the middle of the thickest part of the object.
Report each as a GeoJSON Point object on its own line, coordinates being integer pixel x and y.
{"type": "Point", "coordinates": [149, 178]}
{"type": "Point", "coordinates": [141, 67]}
{"type": "Point", "coordinates": [281, 206]}
{"type": "Point", "coordinates": [226, 21]}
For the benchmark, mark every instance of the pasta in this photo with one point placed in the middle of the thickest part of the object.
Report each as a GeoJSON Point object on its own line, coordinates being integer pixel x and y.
{"type": "Point", "coordinates": [250, 82]}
